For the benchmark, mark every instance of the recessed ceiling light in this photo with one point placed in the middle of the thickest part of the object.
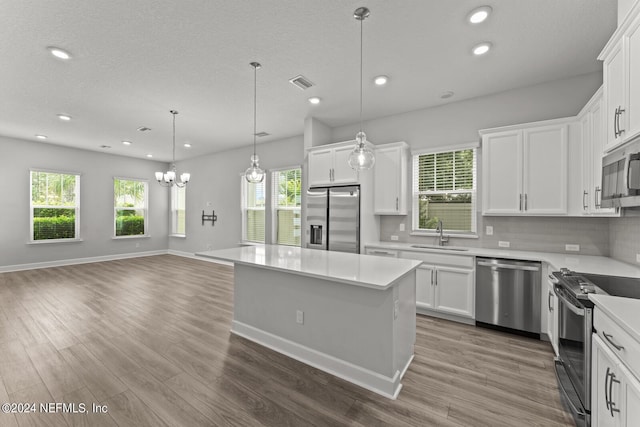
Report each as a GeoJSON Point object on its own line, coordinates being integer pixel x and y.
{"type": "Point", "coordinates": [41, 136]}
{"type": "Point", "coordinates": [64, 117]}
{"type": "Point", "coordinates": [187, 145]}
{"type": "Point", "coordinates": [149, 155]}
{"type": "Point", "coordinates": [447, 94]}
{"type": "Point", "coordinates": [479, 15]}
{"type": "Point", "coordinates": [314, 100]}
{"type": "Point", "coordinates": [381, 80]}
{"type": "Point", "coordinates": [126, 142]}
{"type": "Point", "coordinates": [59, 53]}
{"type": "Point", "coordinates": [481, 49]}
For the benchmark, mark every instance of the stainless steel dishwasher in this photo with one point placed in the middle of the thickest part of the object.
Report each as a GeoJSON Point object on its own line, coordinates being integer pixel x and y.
{"type": "Point", "coordinates": [508, 294]}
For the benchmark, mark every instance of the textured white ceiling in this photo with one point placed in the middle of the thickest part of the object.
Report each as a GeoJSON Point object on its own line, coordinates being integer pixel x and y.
{"type": "Point", "coordinates": [134, 60]}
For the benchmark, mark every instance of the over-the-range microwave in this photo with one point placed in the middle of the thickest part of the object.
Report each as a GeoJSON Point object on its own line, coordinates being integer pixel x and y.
{"type": "Point", "coordinates": [621, 177]}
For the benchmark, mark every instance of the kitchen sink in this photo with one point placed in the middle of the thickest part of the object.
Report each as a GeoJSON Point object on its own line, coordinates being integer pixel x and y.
{"type": "Point", "coordinates": [440, 248]}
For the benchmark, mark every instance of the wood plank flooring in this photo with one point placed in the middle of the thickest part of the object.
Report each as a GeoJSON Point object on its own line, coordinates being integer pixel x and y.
{"type": "Point", "coordinates": [149, 339]}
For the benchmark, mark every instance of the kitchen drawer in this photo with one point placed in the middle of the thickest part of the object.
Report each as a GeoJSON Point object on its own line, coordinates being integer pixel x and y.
{"type": "Point", "coordinates": [381, 252]}
{"type": "Point", "coordinates": [440, 259]}
{"type": "Point", "coordinates": [628, 348]}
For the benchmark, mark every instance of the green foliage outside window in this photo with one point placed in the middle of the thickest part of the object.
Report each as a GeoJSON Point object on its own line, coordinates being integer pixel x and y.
{"type": "Point", "coordinates": [130, 207]}
{"type": "Point", "coordinates": [54, 204]}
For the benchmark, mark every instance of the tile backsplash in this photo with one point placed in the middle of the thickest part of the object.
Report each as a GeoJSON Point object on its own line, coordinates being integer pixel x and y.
{"type": "Point", "coordinates": [624, 237]}
{"type": "Point", "coordinates": [546, 234]}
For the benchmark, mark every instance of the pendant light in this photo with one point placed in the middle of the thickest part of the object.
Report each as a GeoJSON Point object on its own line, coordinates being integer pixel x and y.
{"type": "Point", "coordinates": [168, 178]}
{"type": "Point", "coordinates": [254, 174]}
{"type": "Point", "coordinates": [361, 158]}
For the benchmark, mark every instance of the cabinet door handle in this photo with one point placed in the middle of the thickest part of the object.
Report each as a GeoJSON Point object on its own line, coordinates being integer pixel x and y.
{"type": "Point", "coordinates": [520, 202]}
{"type": "Point", "coordinates": [606, 389]}
{"type": "Point", "coordinates": [549, 301]}
{"type": "Point", "coordinates": [525, 201]}
{"type": "Point", "coordinates": [596, 199]}
{"type": "Point", "coordinates": [615, 124]}
{"type": "Point", "coordinates": [620, 111]}
{"type": "Point", "coordinates": [612, 404]}
{"type": "Point", "coordinates": [608, 338]}
{"type": "Point", "coordinates": [436, 277]}
{"type": "Point", "coordinates": [397, 207]}
{"type": "Point", "coordinates": [431, 277]}
{"type": "Point", "coordinates": [584, 198]}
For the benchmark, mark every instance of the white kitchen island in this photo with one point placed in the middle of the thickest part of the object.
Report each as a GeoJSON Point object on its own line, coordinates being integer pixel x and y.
{"type": "Point", "coordinates": [353, 316]}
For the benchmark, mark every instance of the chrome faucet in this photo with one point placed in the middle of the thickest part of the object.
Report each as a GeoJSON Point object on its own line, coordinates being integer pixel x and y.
{"type": "Point", "coordinates": [443, 239]}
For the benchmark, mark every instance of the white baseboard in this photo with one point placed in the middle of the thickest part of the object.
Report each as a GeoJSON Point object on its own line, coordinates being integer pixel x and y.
{"type": "Point", "coordinates": [74, 261]}
{"type": "Point", "coordinates": [386, 386]}
{"type": "Point", "coordinates": [446, 316]}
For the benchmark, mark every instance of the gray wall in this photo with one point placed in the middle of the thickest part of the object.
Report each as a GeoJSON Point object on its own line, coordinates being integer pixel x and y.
{"type": "Point", "coordinates": [96, 210]}
{"type": "Point", "coordinates": [459, 122]}
{"type": "Point", "coordinates": [215, 185]}
{"type": "Point", "coordinates": [624, 236]}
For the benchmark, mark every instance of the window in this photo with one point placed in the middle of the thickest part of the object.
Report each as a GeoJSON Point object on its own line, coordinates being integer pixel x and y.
{"type": "Point", "coordinates": [178, 210]}
{"type": "Point", "coordinates": [55, 206]}
{"type": "Point", "coordinates": [130, 207]}
{"type": "Point", "coordinates": [253, 202]}
{"type": "Point", "coordinates": [444, 189]}
{"type": "Point", "coordinates": [286, 202]}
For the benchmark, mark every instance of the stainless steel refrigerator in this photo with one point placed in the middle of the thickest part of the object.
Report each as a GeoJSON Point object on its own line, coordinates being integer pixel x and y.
{"type": "Point", "coordinates": [333, 218]}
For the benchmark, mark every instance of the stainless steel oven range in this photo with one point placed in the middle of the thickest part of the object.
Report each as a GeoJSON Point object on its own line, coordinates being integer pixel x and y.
{"type": "Point", "coordinates": [575, 324]}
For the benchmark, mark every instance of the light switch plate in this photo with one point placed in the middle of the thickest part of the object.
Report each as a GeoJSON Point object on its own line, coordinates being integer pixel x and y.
{"type": "Point", "coordinates": [394, 237]}
{"type": "Point", "coordinates": [504, 244]}
{"type": "Point", "coordinates": [300, 317]}
{"type": "Point", "coordinates": [489, 230]}
{"type": "Point", "coordinates": [573, 248]}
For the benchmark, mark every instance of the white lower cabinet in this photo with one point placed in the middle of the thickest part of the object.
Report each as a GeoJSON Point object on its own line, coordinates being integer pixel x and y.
{"type": "Point", "coordinates": [615, 388]}
{"type": "Point", "coordinates": [552, 317]}
{"type": "Point", "coordinates": [444, 284]}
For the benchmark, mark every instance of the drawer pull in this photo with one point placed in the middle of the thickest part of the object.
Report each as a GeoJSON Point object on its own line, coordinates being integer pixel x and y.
{"type": "Point", "coordinates": [608, 338]}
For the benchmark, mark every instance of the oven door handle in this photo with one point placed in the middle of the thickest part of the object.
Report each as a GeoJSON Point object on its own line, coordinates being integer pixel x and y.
{"type": "Point", "coordinates": [570, 306]}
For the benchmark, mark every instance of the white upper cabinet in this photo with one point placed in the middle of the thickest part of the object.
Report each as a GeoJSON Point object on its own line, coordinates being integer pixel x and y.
{"type": "Point", "coordinates": [329, 165]}
{"type": "Point", "coordinates": [592, 143]}
{"type": "Point", "coordinates": [390, 179]}
{"type": "Point", "coordinates": [525, 169]}
{"type": "Point", "coordinates": [621, 68]}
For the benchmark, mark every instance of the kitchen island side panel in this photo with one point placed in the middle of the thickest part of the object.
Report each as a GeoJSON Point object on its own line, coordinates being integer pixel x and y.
{"type": "Point", "coordinates": [351, 323]}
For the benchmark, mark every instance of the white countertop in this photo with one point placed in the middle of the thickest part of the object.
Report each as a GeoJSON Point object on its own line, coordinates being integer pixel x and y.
{"type": "Point", "coordinates": [623, 310]}
{"type": "Point", "coordinates": [580, 263]}
{"type": "Point", "coordinates": [362, 270]}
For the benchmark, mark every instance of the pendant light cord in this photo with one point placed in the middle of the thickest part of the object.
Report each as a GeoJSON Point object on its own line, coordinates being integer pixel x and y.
{"type": "Point", "coordinates": [361, 42]}
{"type": "Point", "coordinates": [174, 135]}
{"type": "Point", "coordinates": [255, 102]}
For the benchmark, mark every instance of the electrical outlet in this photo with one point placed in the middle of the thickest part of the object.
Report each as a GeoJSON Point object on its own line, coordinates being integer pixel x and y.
{"type": "Point", "coordinates": [300, 317]}
{"type": "Point", "coordinates": [504, 244]}
{"type": "Point", "coordinates": [209, 204]}
{"type": "Point", "coordinates": [394, 237]}
{"type": "Point", "coordinates": [489, 230]}
{"type": "Point", "coordinates": [572, 248]}
{"type": "Point", "coordinates": [402, 226]}
{"type": "Point", "coordinates": [137, 244]}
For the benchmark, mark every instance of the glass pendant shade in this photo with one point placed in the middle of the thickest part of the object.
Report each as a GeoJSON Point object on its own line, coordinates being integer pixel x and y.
{"type": "Point", "coordinates": [254, 174]}
{"type": "Point", "coordinates": [361, 157]}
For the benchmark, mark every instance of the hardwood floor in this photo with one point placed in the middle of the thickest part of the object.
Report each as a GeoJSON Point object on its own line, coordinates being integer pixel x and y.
{"type": "Point", "coordinates": [149, 339]}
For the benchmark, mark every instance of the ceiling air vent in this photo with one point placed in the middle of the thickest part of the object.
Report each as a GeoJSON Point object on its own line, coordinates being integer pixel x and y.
{"type": "Point", "coordinates": [261, 134]}
{"type": "Point", "coordinates": [143, 129]}
{"type": "Point", "coordinates": [301, 82]}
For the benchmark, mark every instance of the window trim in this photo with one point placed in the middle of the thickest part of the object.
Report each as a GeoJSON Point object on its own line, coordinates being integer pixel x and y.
{"type": "Point", "coordinates": [244, 208]}
{"type": "Point", "coordinates": [274, 208]}
{"type": "Point", "coordinates": [77, 237]}
{"type": "Point", "coordinates": [173, 215]}
{"type": "Point", "coordinates": [415, 231]}
{"type": "Point", "coordinates": [146, 208]}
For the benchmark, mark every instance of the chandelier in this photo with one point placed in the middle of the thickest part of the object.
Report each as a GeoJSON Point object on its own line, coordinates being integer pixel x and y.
{"type": "Point", "coordinates": [168, 178]}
